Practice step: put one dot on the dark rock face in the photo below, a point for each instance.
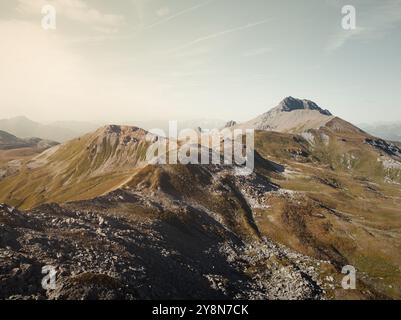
(97, 254)
(113, 129)
(388, 147)
(230, 124)
(290, 104)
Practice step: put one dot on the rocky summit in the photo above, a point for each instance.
(290, 115)
(290, 104)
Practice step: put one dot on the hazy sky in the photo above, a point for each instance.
(131, 60)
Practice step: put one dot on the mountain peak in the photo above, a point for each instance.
(290, 104)
(124, 135)
(230, 124)
(122, 130)
(291, 115)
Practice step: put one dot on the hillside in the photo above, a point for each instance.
(341, 201)
(78, 169)
(318, 199)
(9, 141)
(13, 151)
(283, 232)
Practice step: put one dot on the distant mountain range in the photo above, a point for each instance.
(14, 150)
(62, 131)
(385, 130)
(9, 141)
(59, 131)
(291, 115)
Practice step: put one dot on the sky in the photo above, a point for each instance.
(140, 60)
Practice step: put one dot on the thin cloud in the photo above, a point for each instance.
(257, 52)
(178, 14)
(140, 12)
(195, 52)
(220, 34)
(164, 11)
(340, 39)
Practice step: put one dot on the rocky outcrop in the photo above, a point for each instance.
(385, 146)
(290, 104)
(230, 124)
(99, 253)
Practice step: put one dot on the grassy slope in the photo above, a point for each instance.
(343, 210)
(80, 169)
(18, 154)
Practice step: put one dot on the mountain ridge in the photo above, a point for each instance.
(109, 157)
(331, 193)
(24, 127)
